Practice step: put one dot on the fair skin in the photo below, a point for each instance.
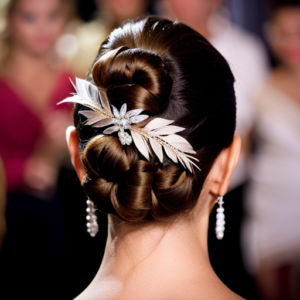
(121, 10)
(284, 37)
(194, 13)
(162, 260)
(34, 26)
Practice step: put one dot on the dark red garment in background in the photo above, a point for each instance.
(20, 128)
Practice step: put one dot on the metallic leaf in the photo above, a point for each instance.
(104, 102)
(138, 119)
(186, 162)
(169, 130)
(171, 154)
(92, 121)
(157, 123)
(123, 110)
(79, 100)
(140, 144)
(104, 122)
(89, 113)
(111, 130)
(157, 148)
(115, 112)
(133, 112)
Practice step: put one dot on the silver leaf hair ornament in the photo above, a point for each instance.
(157, 135)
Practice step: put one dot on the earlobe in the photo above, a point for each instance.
(73, 146)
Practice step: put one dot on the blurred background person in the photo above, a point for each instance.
(2, 203)
(248, 60)
(84, 39)
(271, 231)
(32, 145)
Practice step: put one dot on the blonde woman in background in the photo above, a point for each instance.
(271, 232)
(32, 80)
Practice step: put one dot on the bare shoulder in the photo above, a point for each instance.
(215, 291)
(106, 289)
(160, 294)
(208, 286)
(185, 289)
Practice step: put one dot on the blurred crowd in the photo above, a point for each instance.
(45, 251)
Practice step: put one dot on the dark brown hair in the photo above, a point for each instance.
(170, 71)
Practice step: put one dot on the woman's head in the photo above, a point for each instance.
(172, 72)
(35, 25)
(284, 31)
(195, 13)
(120, 10)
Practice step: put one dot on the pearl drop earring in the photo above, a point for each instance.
(220, 223)
(92, 224)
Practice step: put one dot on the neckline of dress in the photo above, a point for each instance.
(25, 103)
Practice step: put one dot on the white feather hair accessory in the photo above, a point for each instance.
(157, 134)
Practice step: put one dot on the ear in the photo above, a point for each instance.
(73, 146)
(224, 166)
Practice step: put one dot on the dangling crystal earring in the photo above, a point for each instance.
(220, 223)
(92, 224)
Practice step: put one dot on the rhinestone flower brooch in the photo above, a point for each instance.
(157, 137)
(122, 121)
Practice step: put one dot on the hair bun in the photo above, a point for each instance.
(134, 76)
(119, 182)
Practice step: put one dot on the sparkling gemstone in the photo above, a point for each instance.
(220, 222)
(219, 228)
(124, 122)
(220, 209)
(220, 216)
(128, 138)
(133, 112)
(139, 118)
(123, 110)
(220, 235)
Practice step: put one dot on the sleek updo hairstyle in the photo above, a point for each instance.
(172, 72)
